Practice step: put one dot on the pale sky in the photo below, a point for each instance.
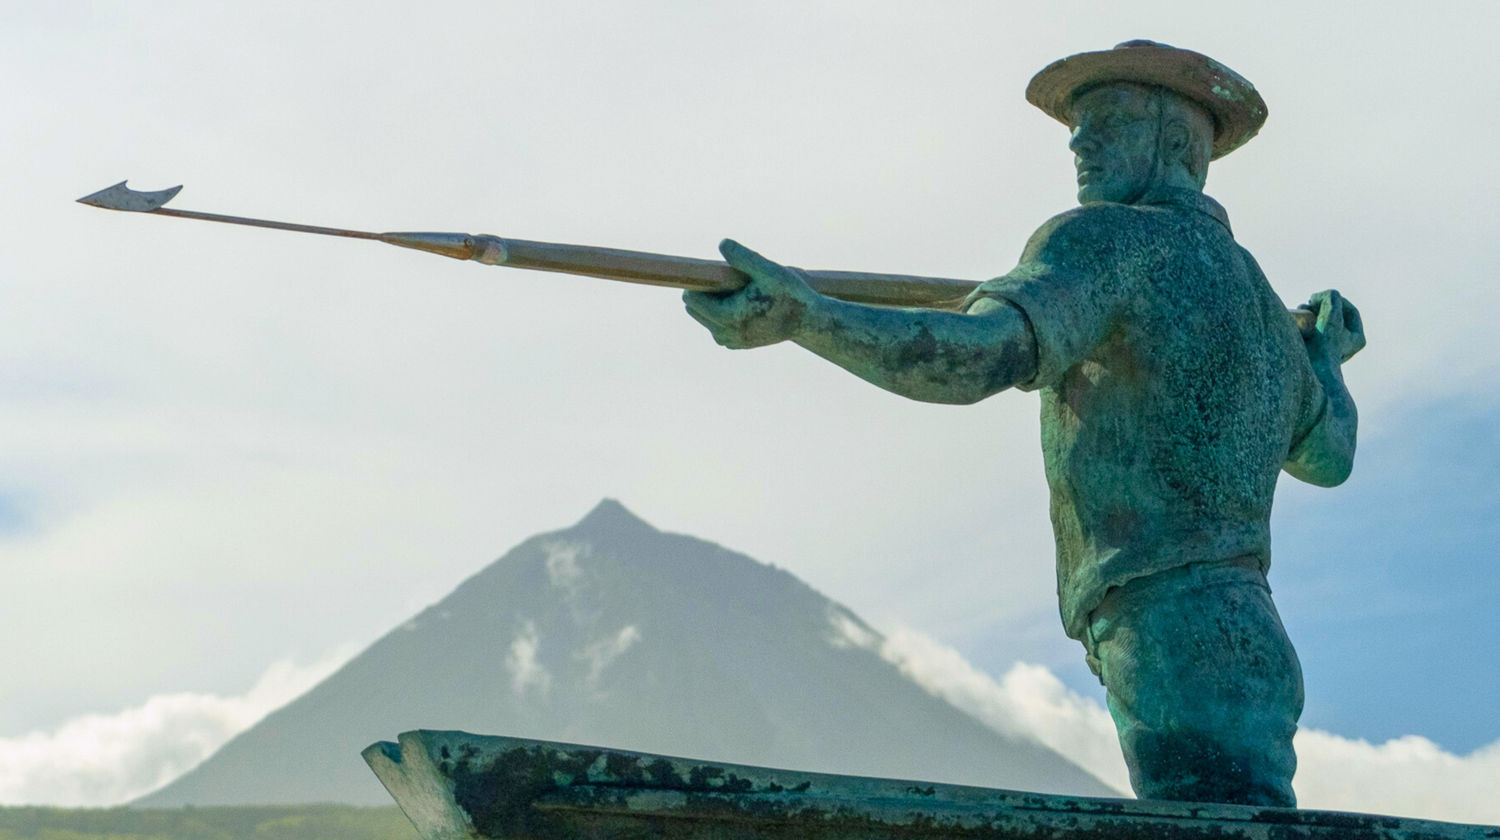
(226, 448)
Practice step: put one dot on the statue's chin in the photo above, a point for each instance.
(1094, 193)
(1114, 193)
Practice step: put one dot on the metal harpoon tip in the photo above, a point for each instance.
(121, 197)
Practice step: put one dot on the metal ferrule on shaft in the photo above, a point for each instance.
(459, 246)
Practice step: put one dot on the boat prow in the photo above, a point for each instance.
(458, 786)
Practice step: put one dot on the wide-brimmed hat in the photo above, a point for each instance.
(1237, 110)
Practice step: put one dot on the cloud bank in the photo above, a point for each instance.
(108, 759)
(1409, 776)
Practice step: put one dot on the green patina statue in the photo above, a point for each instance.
(1174, 389)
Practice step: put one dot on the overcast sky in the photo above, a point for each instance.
(226, 448)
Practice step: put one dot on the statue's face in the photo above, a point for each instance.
(1114, 143)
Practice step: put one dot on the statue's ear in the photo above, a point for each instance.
(1179, 145)
(1176, 137)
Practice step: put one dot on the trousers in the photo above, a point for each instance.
(1202, 683)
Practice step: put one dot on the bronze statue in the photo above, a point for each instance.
(1174, 389)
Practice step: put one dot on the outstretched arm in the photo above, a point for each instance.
(923, 354)
(1325, 454)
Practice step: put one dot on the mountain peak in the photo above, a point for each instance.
(609, 516)
(612, 632)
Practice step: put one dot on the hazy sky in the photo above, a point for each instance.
(226, 448)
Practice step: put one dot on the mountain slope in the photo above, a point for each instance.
(611, 632)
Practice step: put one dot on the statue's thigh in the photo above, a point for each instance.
(1209, 652)
(1205, 690)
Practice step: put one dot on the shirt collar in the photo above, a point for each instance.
(1188, 200)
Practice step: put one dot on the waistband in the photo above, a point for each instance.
(1246, 567)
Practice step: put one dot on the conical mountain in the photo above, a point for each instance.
(612, 632)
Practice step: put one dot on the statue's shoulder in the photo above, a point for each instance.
(1098, 217)
(1087, 228)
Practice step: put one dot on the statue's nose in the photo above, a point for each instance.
(1082, 139)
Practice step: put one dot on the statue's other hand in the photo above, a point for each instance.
(1338, 326)
(769, 309)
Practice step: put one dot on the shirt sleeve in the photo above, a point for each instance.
(1072, 284)
(1313, 416)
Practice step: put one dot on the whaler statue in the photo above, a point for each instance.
(1175, 388)
(1174, 391)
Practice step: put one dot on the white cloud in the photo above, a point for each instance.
(520, 659)
(1027, 702)
(107, 759)
(849, 632)
(562, 563)
(601, 653)
(1409, 776)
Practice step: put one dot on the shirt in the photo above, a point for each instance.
(1173, 386)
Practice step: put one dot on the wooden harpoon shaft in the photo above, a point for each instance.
(717, 276)
(713, 275)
